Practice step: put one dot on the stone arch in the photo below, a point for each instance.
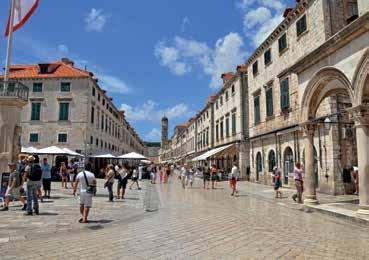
(259, 165)
(272, 159)
(361, 80)
(325, 82)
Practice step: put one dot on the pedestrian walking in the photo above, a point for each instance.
(235, 173)
(14, 189)
(206, 176)
(214, 175)
(73, 170)
(191, 176)
(33, 175)
(63, 171)
(135, 179)
(277, 182)
(109, 177)
(122, 181)
(184, 176)
(298, 183)
(86, 182)
(46, 178)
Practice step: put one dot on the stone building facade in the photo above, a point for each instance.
(68, 108)
(315, 50)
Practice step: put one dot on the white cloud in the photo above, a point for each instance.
(113, 84)
(225, 56)
(150, 112)
(63, 49)
(153, 135)
(260, 18)
(185, 23)
(96, 20)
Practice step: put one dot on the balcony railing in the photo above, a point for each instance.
(14, 89)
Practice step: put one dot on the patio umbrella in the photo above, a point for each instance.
(104, 156)
(30, 150)
(52, 150)
(72, 153)
(132, 156)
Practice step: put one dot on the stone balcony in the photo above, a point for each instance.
(14, 89)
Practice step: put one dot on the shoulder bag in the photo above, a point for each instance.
(90, 189)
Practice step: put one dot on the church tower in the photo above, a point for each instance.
(164, 131)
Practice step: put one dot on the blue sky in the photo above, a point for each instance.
(154, 57)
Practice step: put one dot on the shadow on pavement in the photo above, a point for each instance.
(48, 214)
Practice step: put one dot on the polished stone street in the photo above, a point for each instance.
(163, 221)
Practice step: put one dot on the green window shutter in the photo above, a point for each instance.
(269, 102)
(62, 138)
(37, 87)
(301, 25)
(285, 95)
(65, 87)
(36, 111)
(257, 109)
(234, 123)
(227, 126)
(282, 42)
(64, 112)
(33, 138)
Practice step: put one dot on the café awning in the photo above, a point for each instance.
(211, 153)
(133, 156)
(52, 150)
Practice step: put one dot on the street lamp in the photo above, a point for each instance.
(327, 123)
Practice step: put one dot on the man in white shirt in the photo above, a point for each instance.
(235, 173)
(83, 180)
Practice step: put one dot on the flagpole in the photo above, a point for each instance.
(10, 42)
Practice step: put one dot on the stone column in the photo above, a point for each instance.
(361, 116)
(309, 184)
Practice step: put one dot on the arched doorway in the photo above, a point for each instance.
(259, 166)
(288, 164)
(271, 160)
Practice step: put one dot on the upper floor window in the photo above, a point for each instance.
(221, 100)
(216, 105)
(93, 91)
(65, 87)
(98, 97)
(64, 111)
(269, 102)
(285, 94)
(221, 129)
(282, 43)
(267, 57)
(217, 131)
(234, 123)
(226, 96)
(256, 109)
(37, 87)
(33, 138)
(351, 11)
(35, 111)
(92, 115)
(255, 68)
(62, 138)
(301, 25)
(103, 102)
(233, 90)
(227, 125)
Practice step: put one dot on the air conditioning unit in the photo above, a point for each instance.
(347, 133)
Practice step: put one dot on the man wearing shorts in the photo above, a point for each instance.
(122, 182)
(14, 187)
(85, 199)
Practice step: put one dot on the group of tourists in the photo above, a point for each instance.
(29, 182)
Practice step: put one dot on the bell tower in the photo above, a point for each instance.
(164, 131)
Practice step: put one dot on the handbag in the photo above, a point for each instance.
(90, 189)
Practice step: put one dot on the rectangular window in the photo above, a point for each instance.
(269, 102)
(37, 87)
(233, 90)
(106, 125)
(97, 142)
(267, 57)
(217, 131)
(234, 123)
(65, 87)
(98, 97)
(301, 25)
(92, 115)
(33, 138)
(91, 140)
(221, 100)
(255, 68)
(62, 138)
(93, 92)
(103, 102)
(282, 43)
(226, 96)
(64, 111)
(257, 110)
(36, 111)
(227, 126)
(216, 105)
(221, 130)
(285, 95)
(102, 122)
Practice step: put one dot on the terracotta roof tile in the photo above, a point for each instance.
(58, 69)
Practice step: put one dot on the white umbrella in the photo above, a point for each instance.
(133, 156)
(52, 150)
(146, 161)
(107, 156)
(30, 149)
(72, 153)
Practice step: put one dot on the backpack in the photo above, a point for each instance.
(35, 173)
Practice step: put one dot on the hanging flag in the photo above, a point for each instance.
(23, 10)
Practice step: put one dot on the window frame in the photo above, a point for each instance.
(269, 107)
(34, 134)
(281, 50)
(60, 111)
(283, 106)
(257, 117)
(255, 68)
(38, 84)
(267, 62)
(64, 134)
(39, 111)
(299, 23)
(234, 122)
(69, 87)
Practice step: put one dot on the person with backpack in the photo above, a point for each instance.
(14, 187)
(86, 182)
(33, 175)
